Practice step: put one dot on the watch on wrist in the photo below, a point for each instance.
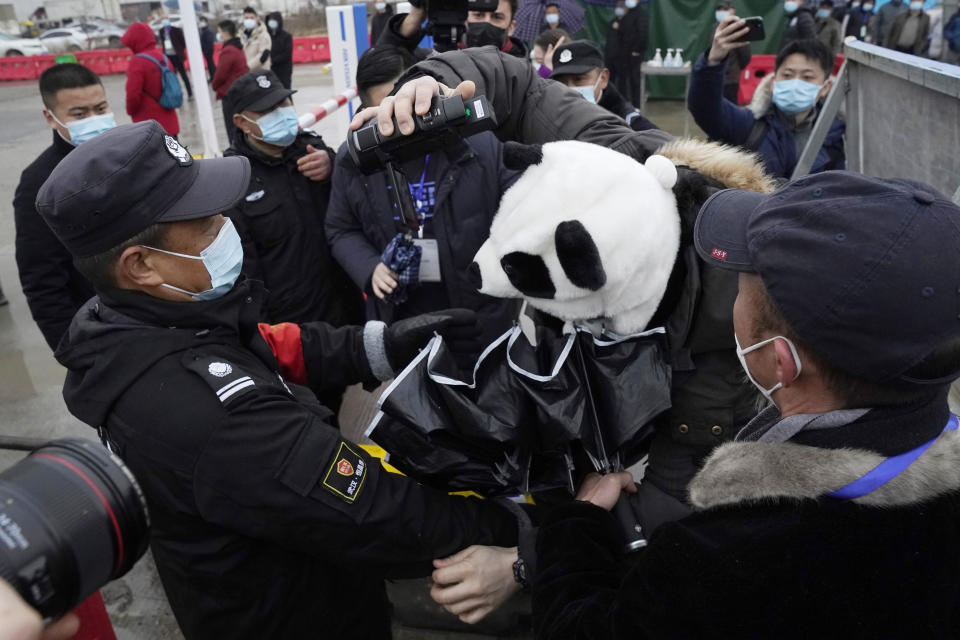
(520, 574)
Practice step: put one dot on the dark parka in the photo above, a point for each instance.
(52, 285)
(266, 523)
(281, 50)
(470, 179)
(767, 554)
(802, 25)
(280, 222)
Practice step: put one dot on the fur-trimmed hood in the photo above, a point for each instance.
(752, 472)
(731, 166)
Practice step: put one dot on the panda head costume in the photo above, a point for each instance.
(587, 233)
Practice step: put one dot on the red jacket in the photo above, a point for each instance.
(144, 84)
(231, 65)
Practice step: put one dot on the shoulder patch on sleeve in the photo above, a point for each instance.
(344, 478)
(226, 379)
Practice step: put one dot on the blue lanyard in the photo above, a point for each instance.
(419, 193)
(886, 470)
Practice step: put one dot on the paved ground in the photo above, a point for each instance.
(30, 379)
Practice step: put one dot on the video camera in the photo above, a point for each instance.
(449, 120)
(72, 518)
(446, 18)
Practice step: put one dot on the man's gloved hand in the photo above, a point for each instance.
(265, 56)
(404, 339)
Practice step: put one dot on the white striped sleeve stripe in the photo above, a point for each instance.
(248, 383)
(226, 389)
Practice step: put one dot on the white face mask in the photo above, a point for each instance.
(916, 6)
(767, 393)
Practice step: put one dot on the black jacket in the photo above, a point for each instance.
(800, 26)
(52, 285)
(281, 50)
(390, 37)
(626, 36)
(379, 23)
(266, 523)
(208, 40)
(470, 178)
(281, 224)
(614, 102)
(767, 554)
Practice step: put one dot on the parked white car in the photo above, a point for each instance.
(64, 41)
(16, 46)
(99, 35)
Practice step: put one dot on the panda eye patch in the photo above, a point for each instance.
(579, 256)
(529, 274)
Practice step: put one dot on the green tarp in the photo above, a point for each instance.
(689, 25)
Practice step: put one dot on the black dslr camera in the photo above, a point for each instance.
(448, 120)
(446, 18)
(72, 518)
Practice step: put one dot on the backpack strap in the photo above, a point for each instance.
(758, 132)
(162, 69)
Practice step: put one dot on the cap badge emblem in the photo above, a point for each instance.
(220, 369)
(566, 56)
(178, 151)
(263, 81)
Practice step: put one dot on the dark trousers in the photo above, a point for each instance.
(211, 67)
(177, 63)
(625, 75)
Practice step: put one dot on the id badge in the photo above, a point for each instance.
(429, 259)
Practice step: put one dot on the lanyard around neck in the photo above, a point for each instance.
(887, 470)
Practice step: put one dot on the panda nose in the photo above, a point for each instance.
(474, 277)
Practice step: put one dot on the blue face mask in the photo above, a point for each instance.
(619, 12)
(823, 13)
(82, 130)
(223, 260)
(552, 18)
(219, 37)
(249, 24)
(794, 96)
(790, 6)
(279, 127)
(588, 91)
(721, 15)
(165, 23)
(631, 4)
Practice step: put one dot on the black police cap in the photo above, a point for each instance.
(257, 91)
(863, 269)
(118, 184)
(576, 58)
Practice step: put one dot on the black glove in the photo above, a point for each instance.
(417, 3)
(265, 56)
(404, 339)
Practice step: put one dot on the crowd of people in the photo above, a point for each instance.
(212, 312)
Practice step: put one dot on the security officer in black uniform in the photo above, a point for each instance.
(280, 218)
(266, 522)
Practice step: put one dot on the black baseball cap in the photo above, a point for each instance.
(118, 184)
(865, 270)
(576, 58)
(257, 91)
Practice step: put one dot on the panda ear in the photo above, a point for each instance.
(579, 256)
(519, 157)
(663, 170)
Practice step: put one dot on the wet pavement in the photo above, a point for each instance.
(30, 379)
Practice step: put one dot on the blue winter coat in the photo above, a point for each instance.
(726, 122)
(470, 180)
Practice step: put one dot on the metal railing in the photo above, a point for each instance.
(902, 114)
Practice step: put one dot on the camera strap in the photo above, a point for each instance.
(421, 199)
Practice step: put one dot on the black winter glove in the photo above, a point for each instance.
(265, 56)
(404, 338)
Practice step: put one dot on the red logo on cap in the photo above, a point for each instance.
(719, 254)
(344, 468)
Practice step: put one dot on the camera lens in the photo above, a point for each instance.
(72, 518)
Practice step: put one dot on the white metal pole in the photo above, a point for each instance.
(191, 33)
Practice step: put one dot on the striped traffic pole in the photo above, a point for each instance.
(311, 117)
